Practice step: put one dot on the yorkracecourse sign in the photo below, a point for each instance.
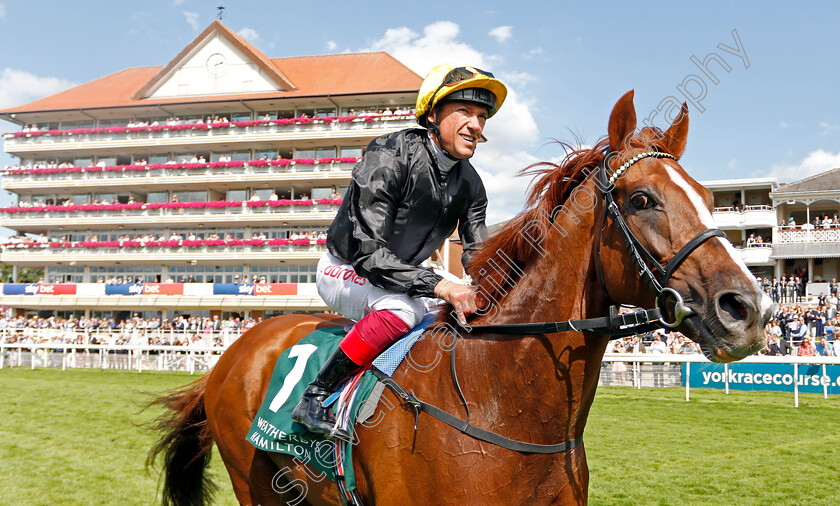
(812, 378)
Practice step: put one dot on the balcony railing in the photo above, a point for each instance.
(756, 254)
(14, 175)
(788, 235)
(757, 216)
(170, 212)
(134, 251)
(214, 132)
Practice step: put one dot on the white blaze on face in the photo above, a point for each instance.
(706, 217)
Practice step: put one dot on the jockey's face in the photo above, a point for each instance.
(460, 125)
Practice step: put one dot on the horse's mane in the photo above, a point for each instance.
(553, 184)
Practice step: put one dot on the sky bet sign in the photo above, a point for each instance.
(39, 289)
(188, 289)
(777, 377)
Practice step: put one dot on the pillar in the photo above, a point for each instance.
(810, 270)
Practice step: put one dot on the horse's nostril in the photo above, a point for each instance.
(731, 305)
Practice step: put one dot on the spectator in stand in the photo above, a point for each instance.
(806, 349)
(824, 348)
(798, 329)
(657, 347)
(773, 347)
(619, 368)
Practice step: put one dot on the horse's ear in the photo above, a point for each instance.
(677, 134)
(622, 121)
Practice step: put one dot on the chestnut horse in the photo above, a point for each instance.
(570, 262)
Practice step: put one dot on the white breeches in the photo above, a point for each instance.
(353, 296)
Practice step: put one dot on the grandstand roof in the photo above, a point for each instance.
(303, 76)
(825, 181)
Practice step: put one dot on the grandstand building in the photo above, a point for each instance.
(203, 187)
(780, 229)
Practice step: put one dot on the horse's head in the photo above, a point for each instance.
(665, 209)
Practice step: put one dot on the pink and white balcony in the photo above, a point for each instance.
(179, 173)
(214, 212)
(153, 252)
(205, 133)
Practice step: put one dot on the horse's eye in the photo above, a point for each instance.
(642, 200)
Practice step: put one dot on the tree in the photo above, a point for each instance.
(25, 275)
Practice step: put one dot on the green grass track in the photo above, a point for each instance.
(71, 437)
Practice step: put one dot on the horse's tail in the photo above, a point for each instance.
(185, 445)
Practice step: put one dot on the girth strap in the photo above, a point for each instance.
(470, 429)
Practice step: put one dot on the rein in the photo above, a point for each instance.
(615, 324)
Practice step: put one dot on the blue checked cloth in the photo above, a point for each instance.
(390, 359)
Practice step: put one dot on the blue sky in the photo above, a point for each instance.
(566, 63)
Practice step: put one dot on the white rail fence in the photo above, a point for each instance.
(650, 370)
(191, 359)
(639, 370)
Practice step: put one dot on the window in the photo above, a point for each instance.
(321, 193)
(156, 197)
(240, 116)
(82, 162)
(351, 151)
(79, 199)
(264, 193)
(109, 161)
(267, 115)
(241, 156)
(268, 154)
(190, 196)
(158, 159)
(236, 195)
(321, 113)
(304, 153)
(102, 197)
(215, 156)
(325, 152)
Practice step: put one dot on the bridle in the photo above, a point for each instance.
(642, 258)
(615, 324)
(634, 322)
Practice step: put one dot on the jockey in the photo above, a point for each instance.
(405, 198)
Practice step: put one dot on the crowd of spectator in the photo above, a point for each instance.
(193, 162)
(790, 288)
(216, 120)
(794, 329)
(183, 330)
(174, 240)
(757, 241)
(825, 222)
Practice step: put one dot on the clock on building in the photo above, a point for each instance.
(216, 65)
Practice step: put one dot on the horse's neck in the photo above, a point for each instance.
(548, 380)
(561, 284)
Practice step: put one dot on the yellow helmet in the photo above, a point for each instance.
(448, 82)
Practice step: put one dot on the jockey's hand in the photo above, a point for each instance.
(460, 296)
